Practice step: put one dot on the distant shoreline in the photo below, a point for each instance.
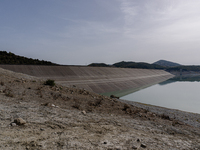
(185, 73)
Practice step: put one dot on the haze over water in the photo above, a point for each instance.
(182, 94)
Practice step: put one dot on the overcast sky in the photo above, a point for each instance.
(79, 32)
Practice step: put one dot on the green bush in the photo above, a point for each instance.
(49, 82)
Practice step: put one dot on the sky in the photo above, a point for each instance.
(80, 32)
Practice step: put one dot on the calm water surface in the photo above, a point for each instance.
(176, 93)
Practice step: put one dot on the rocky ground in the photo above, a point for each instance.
(58, 117)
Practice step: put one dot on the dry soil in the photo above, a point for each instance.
(59, 117)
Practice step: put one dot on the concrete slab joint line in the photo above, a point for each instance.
(115, 79)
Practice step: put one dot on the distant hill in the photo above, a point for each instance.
(184, 68)
(166, 63)
(129, 64)
(142, 65)
(98, 65)
(12, 59)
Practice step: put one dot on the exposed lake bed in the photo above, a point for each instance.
(60, 117)
(189, 118)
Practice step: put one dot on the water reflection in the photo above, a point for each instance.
(178, 93)
(182, 79)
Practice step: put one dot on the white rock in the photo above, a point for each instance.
(13, 124)
(84, 112)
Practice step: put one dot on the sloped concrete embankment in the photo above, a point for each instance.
(95, 79)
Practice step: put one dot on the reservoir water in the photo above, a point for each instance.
(176, 93)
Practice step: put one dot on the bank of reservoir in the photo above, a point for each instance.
(107, 80)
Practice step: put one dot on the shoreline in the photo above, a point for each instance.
(189, 118)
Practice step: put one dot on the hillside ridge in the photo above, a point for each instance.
(12, 59)
(166, 63)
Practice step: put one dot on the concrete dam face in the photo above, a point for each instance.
(118, 81)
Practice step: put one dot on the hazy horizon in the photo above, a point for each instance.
(100, 31)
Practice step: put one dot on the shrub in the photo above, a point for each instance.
(125, 107)
(2, 83)
(9, 94)
(49, 82)
(163, 116)
(113, 96)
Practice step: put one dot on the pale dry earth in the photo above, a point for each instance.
(60, 117)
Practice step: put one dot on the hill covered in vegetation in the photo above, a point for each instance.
(129, 64)
(166, 63)
(169, 66)
(12, 59)
(98, 65)
(184, 68)
(143, 65)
